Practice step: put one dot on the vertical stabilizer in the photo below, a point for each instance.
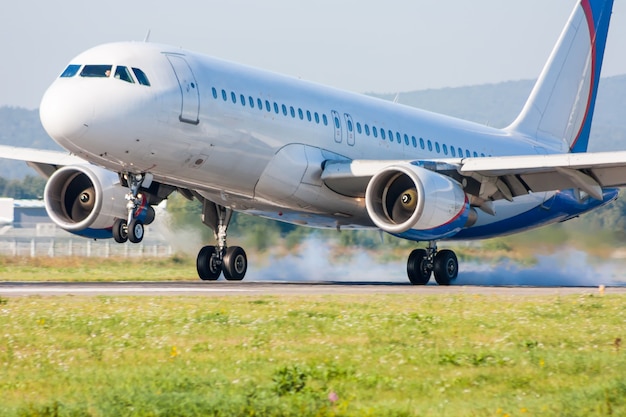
(559, 110)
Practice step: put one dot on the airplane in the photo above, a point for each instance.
(142, 120)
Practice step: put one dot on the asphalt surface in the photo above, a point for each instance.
(225, 288)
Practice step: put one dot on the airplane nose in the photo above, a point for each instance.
(65, 113)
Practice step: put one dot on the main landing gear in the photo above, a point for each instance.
(213, 260)
(423, 262)
(132, 228)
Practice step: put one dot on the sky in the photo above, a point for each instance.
(363, 46)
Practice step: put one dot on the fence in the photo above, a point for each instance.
(46, 240)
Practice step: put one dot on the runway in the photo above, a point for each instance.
(251, 288)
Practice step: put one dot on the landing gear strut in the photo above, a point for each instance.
(132, 228)
(423, 262)
(213, 260)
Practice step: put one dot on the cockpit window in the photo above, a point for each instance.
(141, 77)
(70, 71)
(96, 71)
(122, 73)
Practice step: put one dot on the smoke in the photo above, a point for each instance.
(317, 260)
(314, 262)
(566, 268)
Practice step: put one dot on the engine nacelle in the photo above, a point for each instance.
(86, 200)
(417, 204)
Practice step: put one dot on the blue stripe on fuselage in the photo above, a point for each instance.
(562, 206)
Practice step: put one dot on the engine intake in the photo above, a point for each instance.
(407, 198)
(83, 197)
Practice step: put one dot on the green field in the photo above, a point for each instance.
(366, 355)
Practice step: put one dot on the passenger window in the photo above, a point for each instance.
(422, 143)
(382, 134)
(367, 130)
(268, 106)
(141, 77)
(96, 71)
(292, 111)
(375, 131)
(317, 118)
(243, 100)
(430, 145)
(414, 141)
(390, 136)
(122, 73)
(358, 128)
(233, 97)
(406, 140)
(224, 96)
(300, 114)
(467, 153)
(70, 71)
(398, 137)
(475, 155)
(284, 110)
(251, 101)
(214, 92)
(437, 148)
(308, 115)
(452, 150)
(276, 108)
(325, 119)
(460, 152)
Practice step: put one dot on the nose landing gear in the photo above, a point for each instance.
(132, 228)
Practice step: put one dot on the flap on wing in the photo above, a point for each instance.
(510, 176)
(45, 162)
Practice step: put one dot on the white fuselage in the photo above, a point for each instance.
(253, 140)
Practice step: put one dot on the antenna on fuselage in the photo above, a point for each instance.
(147, 38)
(396, 98)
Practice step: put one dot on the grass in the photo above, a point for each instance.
(174, 268)
(372, 355)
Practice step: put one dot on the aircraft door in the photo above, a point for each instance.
(337, 126)
(190, 95)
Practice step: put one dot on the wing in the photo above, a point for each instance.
(43, 161)
(498, 178)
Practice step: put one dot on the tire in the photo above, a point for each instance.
(417, 267)
(120, 231)
(446, 267)
(235, 263)
(135, 231)
(206, 264)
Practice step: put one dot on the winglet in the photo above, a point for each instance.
(559, 111)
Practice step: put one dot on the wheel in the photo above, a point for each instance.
(207, 264)
(446, 267)
(120, 231)
(235, 263)
(417, 267)
(135, 231)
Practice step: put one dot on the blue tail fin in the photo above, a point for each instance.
(560, 108)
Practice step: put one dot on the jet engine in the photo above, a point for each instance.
(86, 200)
(415, 203)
